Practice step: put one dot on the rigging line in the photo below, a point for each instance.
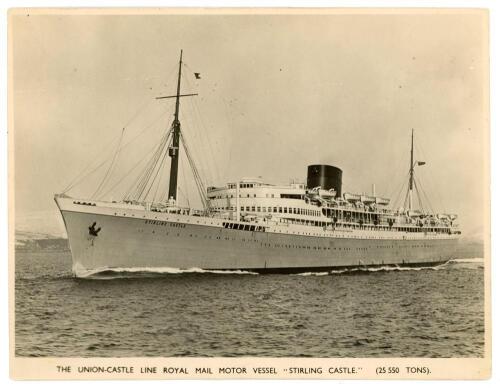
(419, 190)
(161, 148)
(181, 192)
(121, 148)
(186, 185)
(141, 108)
(185, 132)
(207, 141)
(158, 183)
(71, 184)
(149, 126)
(162, 168)
(173, 71)
(190, 130)
(149, 170)
(188, 153)
(136, 180)
(142, 179)
(230, 125)
(160, 165)
(426, 197)
(143, 176)
(396, 171)
(164, 194)
(418, 197)
(199, 183)
(193, 167)
(112, 164)
(401, 187)
(205, 132)
(420, 202)
(397, 201)
(128, 172)
(432, 178)
(406, 198)
(148, 100)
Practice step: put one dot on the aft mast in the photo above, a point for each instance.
(410, 185)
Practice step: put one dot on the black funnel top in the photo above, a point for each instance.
(325, 176)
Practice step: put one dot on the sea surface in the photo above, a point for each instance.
(367, 313)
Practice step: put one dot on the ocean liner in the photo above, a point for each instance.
(251, 225)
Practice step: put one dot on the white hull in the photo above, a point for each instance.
(133, 238)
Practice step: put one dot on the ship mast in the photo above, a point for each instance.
(410, 186)
(173, 151)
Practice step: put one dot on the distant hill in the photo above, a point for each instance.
(468, 248)
(32, 241)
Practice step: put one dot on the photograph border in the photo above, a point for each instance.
(46, 368)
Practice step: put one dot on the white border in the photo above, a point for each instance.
(492, 5)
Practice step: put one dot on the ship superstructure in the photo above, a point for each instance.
(252, 225)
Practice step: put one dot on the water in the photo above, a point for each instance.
(374, 313)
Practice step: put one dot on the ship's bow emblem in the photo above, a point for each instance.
(93, 231)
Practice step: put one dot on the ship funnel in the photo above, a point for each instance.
(325, 176)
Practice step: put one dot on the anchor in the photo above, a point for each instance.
(93, 231)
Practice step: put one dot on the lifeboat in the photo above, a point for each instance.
(352, 197)
(382, 201)
(327, 194)
(367, 199)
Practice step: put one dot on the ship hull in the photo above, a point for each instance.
(104, 238)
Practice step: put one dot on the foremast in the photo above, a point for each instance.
(174, 148)
(173, 151)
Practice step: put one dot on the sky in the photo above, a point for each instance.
(277, 92)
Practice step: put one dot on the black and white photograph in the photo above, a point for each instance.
(250, 193)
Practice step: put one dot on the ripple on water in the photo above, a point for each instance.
(363, 313)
